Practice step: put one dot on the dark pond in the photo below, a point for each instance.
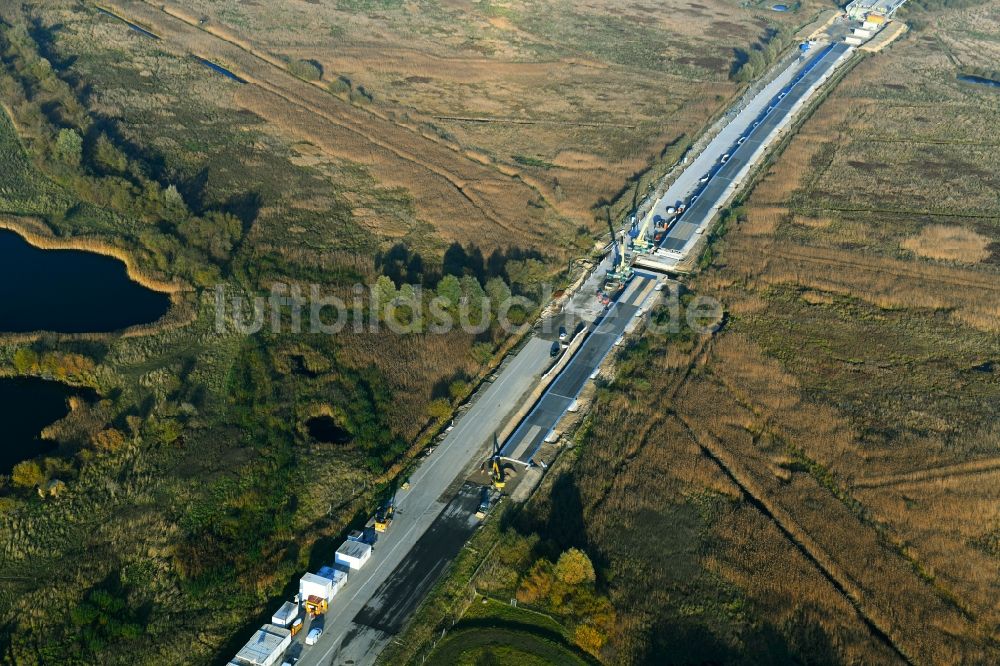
(779, 8)
(325, 429)
(69, 291)
(968, 78)
(28, 405)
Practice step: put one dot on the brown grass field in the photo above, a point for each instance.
(447, 189)
(485, 106)
(855, 396)
(897, 261)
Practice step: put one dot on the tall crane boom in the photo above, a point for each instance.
(619, 252)
(641, 242)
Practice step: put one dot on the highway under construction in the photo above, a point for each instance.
(438, 510)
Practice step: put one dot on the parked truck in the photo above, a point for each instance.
(384, 516)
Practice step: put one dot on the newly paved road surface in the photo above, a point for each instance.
(529, 435)
(738, 121)
(725, 176)
(399, 595)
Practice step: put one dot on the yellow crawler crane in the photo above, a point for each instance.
(641, 242)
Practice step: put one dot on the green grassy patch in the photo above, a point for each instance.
(493, 645)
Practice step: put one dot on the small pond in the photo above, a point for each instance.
(27, 406)
(325, 429)
(968, 78)
(69, 291)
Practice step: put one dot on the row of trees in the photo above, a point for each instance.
(67, 367)
(753, 63)
(403, 265)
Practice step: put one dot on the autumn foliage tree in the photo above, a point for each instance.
(109, 439)
(537, 584)
(27, 474)
(575, 568)
(568, 589)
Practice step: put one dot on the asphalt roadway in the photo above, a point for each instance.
(563, 391)
(705, 200)
(434, 487)
(769, 109)
(436, 516)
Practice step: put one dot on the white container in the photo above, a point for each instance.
(353, 554)
(286, 614)
(338, 576)
(313, 585)
(266, 647)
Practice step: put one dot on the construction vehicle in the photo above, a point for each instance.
(315, 605)
(497, 474)
(384, 515)
(621, 269)
(296, 626)
(484, 503)
(501, 468)
(641, 242)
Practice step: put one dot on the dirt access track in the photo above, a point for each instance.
(463, 198)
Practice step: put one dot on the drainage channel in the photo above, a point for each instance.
(219, 68)
(139, 29)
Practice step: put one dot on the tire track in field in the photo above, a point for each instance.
(921, 475)
(793, 532)
(887, 266)
(757, 497)
(457, 184)
(889, 622)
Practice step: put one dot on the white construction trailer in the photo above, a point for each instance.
(353, 554)
(266, 647)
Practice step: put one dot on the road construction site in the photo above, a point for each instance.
(689, 206)
(397, 559)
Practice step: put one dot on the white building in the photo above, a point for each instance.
(265, 648)
(285, 615)
(353, 554)
(313, 585)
